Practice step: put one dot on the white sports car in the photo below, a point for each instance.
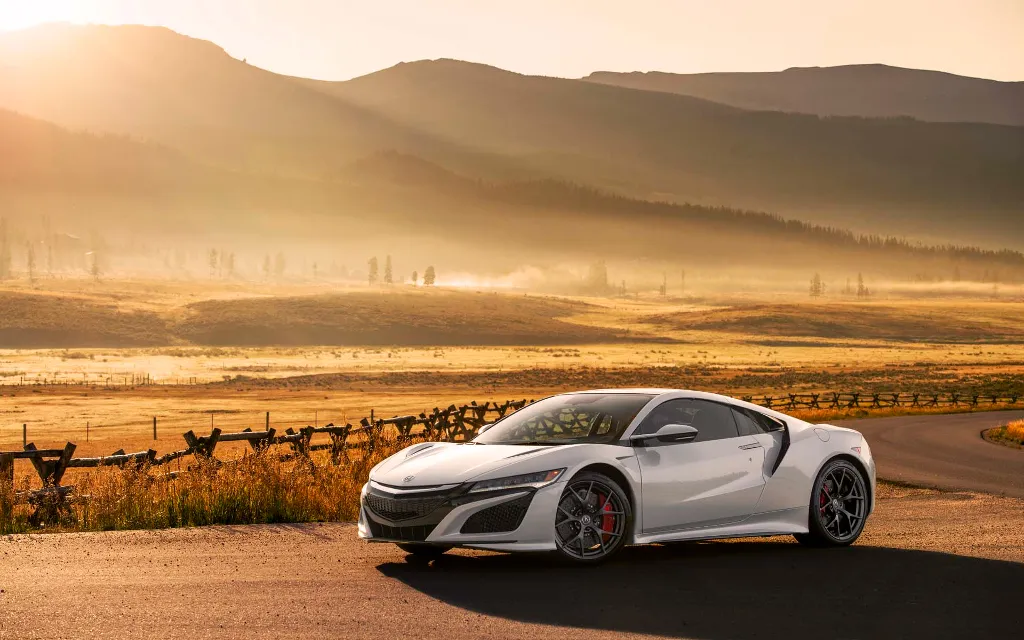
(584, 474)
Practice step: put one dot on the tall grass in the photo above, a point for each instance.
(1012, 434)
(250, 490)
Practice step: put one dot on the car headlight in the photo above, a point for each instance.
(527, 480)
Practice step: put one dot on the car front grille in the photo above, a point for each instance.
(406, 534)
(500, 518)
(398, 509)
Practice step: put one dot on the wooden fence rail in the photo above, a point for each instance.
(454, 423)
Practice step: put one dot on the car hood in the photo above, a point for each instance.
(440, 463)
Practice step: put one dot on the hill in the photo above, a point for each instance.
(897, 173)
(867, 90)
(891, 176)
(93, 186)
(31, 320)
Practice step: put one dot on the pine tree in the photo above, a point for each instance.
(817, 286)
(372, 277)
(212, 260)
(95, 268)
(429, 277)
(389, 277)
(415, 278)
(862, 291)
(663, 290)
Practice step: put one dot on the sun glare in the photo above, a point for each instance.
(16, 15)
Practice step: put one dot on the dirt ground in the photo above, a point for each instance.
(930, 564)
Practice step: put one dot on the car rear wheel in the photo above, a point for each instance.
(423, 552)
(593, 518)
(839, 506)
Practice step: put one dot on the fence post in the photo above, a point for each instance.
(24, 434)
(154, 427)
(268, 422)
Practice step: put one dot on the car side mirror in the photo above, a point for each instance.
(668, 434)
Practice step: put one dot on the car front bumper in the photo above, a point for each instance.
(509, 520)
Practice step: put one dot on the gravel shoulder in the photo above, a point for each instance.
(930, 564)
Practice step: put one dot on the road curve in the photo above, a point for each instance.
(945, 451)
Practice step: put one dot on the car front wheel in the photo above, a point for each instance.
(593, 518)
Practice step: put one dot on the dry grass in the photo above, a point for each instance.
(906, 321)
(1011, 434)
(401, 316)
(253, 489)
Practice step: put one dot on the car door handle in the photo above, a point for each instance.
(752, 445)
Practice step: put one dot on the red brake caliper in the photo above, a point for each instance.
(607, 522)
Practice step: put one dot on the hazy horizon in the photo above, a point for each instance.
(342, 40)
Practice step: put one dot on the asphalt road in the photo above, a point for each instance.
(945, 451)
(916, 572)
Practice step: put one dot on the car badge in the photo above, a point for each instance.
(408, 478)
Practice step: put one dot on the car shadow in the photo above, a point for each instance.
(739, 590)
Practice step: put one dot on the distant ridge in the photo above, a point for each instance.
(867, 90)
(892, 176)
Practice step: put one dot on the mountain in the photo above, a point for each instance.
(92, 185)
(155, 84)
(891, 176)
(867, 90)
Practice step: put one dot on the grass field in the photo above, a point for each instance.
(324, 354)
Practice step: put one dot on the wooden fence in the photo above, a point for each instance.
(455, 423)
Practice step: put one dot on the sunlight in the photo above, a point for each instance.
(21, 15)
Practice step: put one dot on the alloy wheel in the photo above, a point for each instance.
(591, 519)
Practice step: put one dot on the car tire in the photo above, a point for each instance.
(593, 520)
(423, 552)
(838, 506)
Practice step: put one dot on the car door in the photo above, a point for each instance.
(713, 480)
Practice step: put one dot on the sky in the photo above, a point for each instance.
(340, 39)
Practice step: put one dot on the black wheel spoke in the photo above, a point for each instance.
(841, 511)
(576, 523)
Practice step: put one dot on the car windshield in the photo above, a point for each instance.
(568, 419)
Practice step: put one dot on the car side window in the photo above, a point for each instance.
(746, 423)
(712, 420)
(753, 423)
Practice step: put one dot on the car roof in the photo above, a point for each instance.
(666, 394)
